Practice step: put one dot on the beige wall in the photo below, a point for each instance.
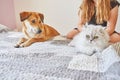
(118, 21)
(61, 14)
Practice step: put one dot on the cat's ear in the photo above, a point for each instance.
(102, 31)
(85, 25)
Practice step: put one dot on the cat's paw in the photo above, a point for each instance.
(87, 52)
(90, 53)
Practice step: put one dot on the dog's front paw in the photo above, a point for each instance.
(17, 46)
(23, 45)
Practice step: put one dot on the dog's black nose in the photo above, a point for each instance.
(39, 31)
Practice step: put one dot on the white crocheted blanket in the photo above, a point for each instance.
(54, 60)
(99, 62)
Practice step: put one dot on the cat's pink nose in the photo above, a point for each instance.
(91, 41)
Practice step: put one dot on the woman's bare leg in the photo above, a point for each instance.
(115, 37)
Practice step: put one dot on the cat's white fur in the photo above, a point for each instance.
(83, 45)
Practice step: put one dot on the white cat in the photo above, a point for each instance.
(92, 38)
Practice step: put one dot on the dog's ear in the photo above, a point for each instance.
(41, 17)
(24, 15)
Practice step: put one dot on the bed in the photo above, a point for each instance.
(53, 60)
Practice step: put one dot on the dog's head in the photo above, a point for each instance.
(32, 21)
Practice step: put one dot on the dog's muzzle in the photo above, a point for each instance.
(38, 31)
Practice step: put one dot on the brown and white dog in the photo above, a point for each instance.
(34, 29)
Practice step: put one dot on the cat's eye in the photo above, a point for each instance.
(88, 36)
(95, 37)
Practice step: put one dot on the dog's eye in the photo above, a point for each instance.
(33, 21)
(40, 21)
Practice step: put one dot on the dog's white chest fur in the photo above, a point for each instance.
(30, 30)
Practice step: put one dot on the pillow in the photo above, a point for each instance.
(4, 29)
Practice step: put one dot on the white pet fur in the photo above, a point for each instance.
(91, 44)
